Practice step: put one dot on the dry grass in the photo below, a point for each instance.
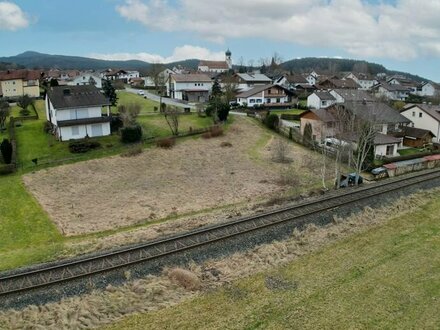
(184, 278)
(105, 194)
(158, 292)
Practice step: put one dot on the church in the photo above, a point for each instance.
(217, 66)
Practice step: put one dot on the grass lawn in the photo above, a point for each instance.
(410, 151)
(288, 112)
(387, 278)
(126, 98)
(26, 232)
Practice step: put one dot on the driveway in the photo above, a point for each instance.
(166, 100)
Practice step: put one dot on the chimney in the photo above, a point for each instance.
(66, 91)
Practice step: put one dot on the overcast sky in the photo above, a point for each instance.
(400, 34)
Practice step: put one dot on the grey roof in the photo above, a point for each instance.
(432, 110)
(418, 133)
(296, 79)
(380, 139)
(75, 122)
(65, 97)
(191, 77)
(325, 96)
(354, 95)
(252, 77)
(393, 87)
(324, 115)
(377, 112)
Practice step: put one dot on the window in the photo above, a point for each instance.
(420, 114)
(413, 113)
(251, 101)
(259, 100)
(278, 100)
(75, 130)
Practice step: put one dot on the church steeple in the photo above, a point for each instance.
(228, 55)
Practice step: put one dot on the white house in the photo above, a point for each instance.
(247, 81)
(424, 116)
(189, 87)
(217, 66)
(391, 91)
(426, 89)
(267, 94)
(86, 78)
(76, 112)
(149, 80)
(366, 82)
(112, 74)
(320, 99)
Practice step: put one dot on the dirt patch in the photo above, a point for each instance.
(195, 175)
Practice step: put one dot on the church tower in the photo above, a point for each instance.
(228, 55)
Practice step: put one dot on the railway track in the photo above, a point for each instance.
(22, 282)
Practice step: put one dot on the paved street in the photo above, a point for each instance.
(165, 100)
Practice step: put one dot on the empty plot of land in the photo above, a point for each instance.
(195, 175)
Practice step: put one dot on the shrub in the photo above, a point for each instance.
(166, 143)
(115, 123)
(216, 131)
(272, 121)
(6, 150)
(133, 151)
(131, 134)
(185, 278)
(77, 147)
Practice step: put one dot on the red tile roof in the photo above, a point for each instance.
(20, 74)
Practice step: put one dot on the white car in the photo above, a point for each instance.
(141, 93)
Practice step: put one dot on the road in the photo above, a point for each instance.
(165, 100)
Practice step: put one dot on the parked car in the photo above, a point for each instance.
(141, 93)
(350, 180)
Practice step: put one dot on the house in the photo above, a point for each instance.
(269, 95)
(404, 82)
(86, 78)
(246, 81)
(75, 112)
(194, 87)
(118, 74)
(395, 92)
(351, 95)
(161, 78)
(16, 83)
(324, 124)
(291, 81)
(332, 83)
(365, 81)
(424, 116)
(426, 89)
(217, 66)
(320, 99)
(311, 78)
(416, 137)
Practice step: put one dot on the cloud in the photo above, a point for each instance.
(403, 29)
(12, 17)
(180, 53)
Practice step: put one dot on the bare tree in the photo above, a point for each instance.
(172, 118)
(129, 113)
(229, 87)
(365, 133)
(280, 151)
(158, 76)
(4, 113)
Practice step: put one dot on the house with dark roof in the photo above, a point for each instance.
(415, 137)
(320, 99)
(272, 96)
(324, 124)
(246, 81)
(332, 83)
(364, 80)
(351, 95)
(427, 88)
(193, 87)
(395, 92)
(16, 83)
(424, 116)
(75, 112)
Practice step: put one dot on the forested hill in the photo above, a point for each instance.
(35, 60)
(334, 65)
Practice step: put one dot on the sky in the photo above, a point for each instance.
(402, 35)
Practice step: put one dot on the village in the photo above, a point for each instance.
(116, 158)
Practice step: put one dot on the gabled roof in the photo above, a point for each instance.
(325, 96)
(20, 74)
(323, 114)
(432, 110)
(65, 97)
(377, 112)
(339, 83)
(296, 79)
(259, 89)
(418, 133)
(215, 64)
(354, 95)
(392, 87)
(254, 77)
(191, 77)
(361, 76)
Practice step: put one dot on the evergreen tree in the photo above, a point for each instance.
(216, 90)
(110, 92)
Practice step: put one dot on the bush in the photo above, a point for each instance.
(131, 134)
(78, 147)
(47, 128)
(271, 121)
(6, 150)
(115, 123)
(166, 143)
(133, 151)
(213, 132)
